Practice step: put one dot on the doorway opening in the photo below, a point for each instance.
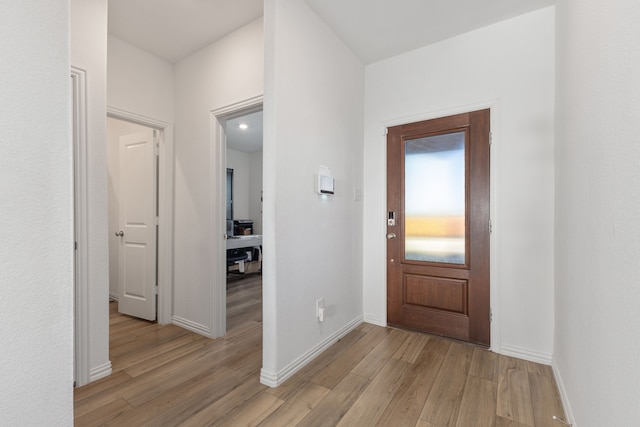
(237, 151)
(163, 194)
(132, 160)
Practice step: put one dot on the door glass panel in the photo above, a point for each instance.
(435, 198)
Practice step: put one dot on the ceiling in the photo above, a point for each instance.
(379, 29)
(174, 29)
(373, 29)
(249, 139)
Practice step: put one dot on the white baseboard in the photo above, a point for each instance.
(100, 372)
(526, 354)
(274, 379)
(563, 395)
(375, 320)
(191, 326)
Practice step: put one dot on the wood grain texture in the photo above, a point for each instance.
(406, 405)
(443, 403)
(514, 393)
(371, 404)
(478, 403)
(374, 376)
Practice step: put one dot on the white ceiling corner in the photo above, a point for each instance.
(379, 29)
(174, 29)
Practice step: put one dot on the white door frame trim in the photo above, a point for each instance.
(218, 319)
(81, 209)
(165, 207)
(494, 177)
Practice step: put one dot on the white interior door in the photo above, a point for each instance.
(137, 269)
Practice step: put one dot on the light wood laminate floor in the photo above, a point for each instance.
(167, 376)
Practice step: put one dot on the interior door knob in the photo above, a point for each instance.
(120, 233)
(391, 236)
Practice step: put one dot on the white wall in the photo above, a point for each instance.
(115, 129)
(255, 190)
(597, 346)
(139, 82)
(314, 91)
(36, 210)
(239, 162)
(224, 73)
(89, 52)
(508, 66)
(247, 185)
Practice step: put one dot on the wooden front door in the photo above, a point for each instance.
(438, 226)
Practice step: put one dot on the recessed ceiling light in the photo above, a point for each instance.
(243, 126)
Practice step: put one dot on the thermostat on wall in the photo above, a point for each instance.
(326, 182)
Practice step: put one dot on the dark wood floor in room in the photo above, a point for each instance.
(167, 376)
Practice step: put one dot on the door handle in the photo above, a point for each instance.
(120, 233)
(391, 236)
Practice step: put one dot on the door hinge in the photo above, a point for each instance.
(385, 132)
(490, 315)
(75, 246)
(490, 227)
(157, 219)
(156, 148)
(155, 290)
(490, 138)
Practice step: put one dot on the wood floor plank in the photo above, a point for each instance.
(218, 410)
(540, 369)
(423, 423)
(443, 403)
(143, 356)
(366, 411)
(478, 406)
(253, 411)
(101, 397)
(166, 356)
(319, 364)
(152, 384)
(336, 370)
(81, 393)
(514, 393)
(170, 404)
(484, 364)
(104, 413)
(505, 422)
(411, 348)
(151, 338)
(213, 391)
(378, 357)
(337, 402)
(296, 407)
(546, 401)
(408, 401)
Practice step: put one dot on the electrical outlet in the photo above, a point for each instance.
(320, 310)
